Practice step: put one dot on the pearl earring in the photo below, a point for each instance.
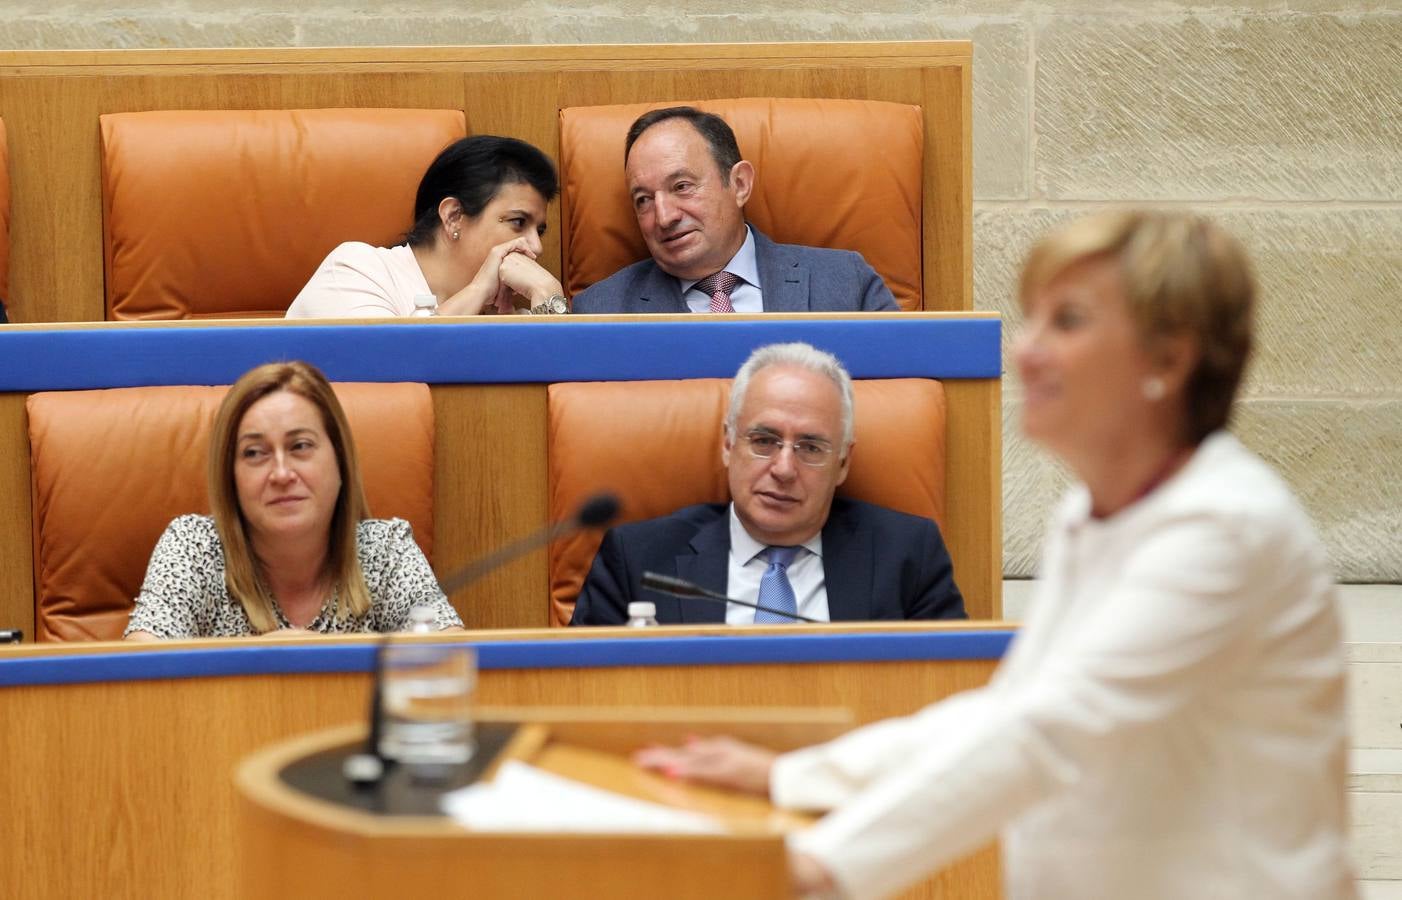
(1154, 388)
(455, 235)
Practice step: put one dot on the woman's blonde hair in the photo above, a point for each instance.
(1182, 275)
(241, 566)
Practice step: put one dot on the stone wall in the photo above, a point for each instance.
(1284, 119)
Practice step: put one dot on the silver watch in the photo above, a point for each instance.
(553, 305)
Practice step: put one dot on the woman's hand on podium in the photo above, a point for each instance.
(720, 761)
(810, 880)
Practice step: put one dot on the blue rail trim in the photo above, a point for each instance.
(882, 346)
(283, 659)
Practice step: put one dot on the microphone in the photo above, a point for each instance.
(595, 512)
(366, 768)
(680, 587)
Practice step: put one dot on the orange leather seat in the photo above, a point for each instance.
(4, 215)
(111, 468)
(844, 174)
(656, 444)
(226, 213)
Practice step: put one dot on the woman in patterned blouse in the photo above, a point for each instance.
(290, 547)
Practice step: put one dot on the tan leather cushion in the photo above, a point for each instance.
(217, 213)
(111, 469)
(844, 174)
(657, 445)
(4, 215)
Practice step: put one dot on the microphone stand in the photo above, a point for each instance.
(367, 767)
(680, 587)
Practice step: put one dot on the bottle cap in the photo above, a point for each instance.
(641, 609)
(425, 302)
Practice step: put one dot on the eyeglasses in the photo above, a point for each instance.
(808, 451)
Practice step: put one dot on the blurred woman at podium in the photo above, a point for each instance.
(289, 547)
(1169, 722)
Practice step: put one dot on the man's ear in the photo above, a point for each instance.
(726, 445)
(742, 181)
(846, 464)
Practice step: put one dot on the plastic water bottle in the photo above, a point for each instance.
(425, 305)
(642, 614)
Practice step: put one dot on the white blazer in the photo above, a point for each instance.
(1169, 723)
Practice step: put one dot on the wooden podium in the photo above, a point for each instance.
(306, 833)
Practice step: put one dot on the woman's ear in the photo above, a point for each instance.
(450, 213)
(1175, 359)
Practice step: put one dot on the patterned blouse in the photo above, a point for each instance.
(184, 594)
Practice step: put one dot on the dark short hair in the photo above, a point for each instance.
(473, 170)
(724, 150)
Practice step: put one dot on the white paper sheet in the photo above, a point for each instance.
(524, 798)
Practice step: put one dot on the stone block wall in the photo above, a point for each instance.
(1281, 117)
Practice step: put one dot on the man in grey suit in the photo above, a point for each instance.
(689, 186)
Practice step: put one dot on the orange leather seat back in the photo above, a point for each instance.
(656, 444)
(111, 468)
(4, 215)
(226, 213)
(844, 174)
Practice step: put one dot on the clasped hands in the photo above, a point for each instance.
(509, 269)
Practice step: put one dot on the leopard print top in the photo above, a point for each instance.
(184, 595)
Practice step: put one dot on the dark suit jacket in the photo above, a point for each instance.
(791, 278)
(877, 564)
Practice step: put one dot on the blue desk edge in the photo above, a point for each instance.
(265, 659)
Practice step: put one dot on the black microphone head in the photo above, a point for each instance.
(670, 584)
(597, 511)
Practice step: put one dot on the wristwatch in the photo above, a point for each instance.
(554, 305)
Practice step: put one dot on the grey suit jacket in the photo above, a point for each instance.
(791, 278)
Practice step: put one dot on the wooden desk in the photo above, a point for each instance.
(121, 756)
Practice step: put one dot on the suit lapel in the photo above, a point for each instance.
(782, 281)
(709, 566)
(847, 567)
(660, 292)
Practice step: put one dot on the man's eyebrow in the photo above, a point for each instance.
(668, 178)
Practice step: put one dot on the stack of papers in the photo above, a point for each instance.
(524, 798)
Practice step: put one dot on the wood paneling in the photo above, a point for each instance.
(16, 532)
(974, 492)
(490, 486)
(50, 101)
(126, 788)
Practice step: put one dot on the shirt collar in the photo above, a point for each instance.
(745, 548)
(743, 264)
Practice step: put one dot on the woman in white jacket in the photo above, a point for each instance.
(1169, 723)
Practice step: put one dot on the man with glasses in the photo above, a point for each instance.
(784, 541)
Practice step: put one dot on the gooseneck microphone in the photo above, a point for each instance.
(368, 767)
(680, 587)
(595, 512)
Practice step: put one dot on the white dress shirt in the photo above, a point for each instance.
(1168, 724)
(747, 565)
(746, 297)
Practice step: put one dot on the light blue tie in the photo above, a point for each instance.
(775, 591)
